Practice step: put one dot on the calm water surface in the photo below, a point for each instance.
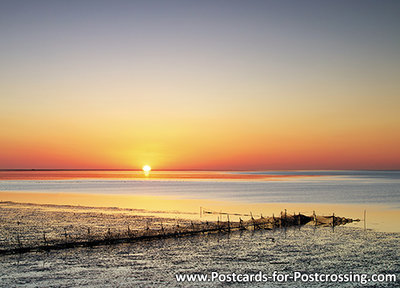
(350, 187)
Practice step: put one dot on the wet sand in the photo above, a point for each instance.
(379, 217)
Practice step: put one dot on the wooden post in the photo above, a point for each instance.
(365, 219)
(44, 238)
(18, 239)
(285, 218)
(252, 219)
(65, 234)
(162, 228)
(229, 225)
(333, 219)
(315, 218)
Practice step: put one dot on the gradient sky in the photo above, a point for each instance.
(200, 84)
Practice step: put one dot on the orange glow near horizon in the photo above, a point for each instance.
(219, 90)
(223, 146)
(242, 150)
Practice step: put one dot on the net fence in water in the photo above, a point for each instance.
(42, 227)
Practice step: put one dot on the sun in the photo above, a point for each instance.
(146, 168)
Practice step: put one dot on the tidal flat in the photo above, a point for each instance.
(69, 208)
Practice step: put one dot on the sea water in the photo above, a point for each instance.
(347, 187)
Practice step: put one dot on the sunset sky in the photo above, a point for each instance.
(247, 85)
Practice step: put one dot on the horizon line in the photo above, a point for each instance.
(172, 170)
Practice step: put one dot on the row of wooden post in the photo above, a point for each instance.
(282, 222)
